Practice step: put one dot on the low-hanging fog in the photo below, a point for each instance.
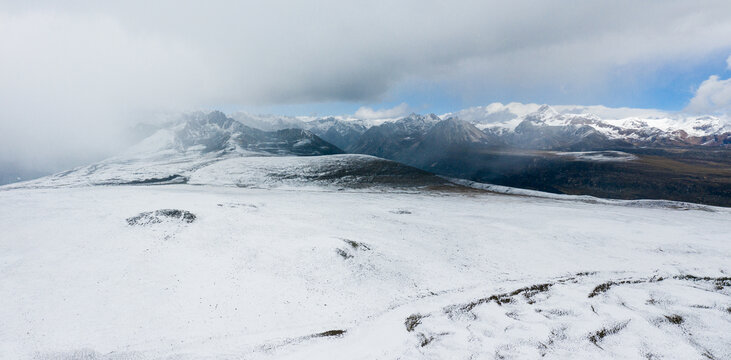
(75, 76)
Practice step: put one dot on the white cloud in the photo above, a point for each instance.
(72, 84)
(73, 73)
(712, 96)
(368, 113)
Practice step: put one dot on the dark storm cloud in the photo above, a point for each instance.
(74, 74)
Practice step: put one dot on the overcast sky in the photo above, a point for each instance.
(74, 74)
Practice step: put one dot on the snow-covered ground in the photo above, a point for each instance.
(598, 155)
(308, 273)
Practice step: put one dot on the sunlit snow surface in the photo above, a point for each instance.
(357, 274)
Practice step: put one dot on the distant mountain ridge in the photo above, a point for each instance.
(217, 132)
(605, 152)
(652, 129)
(214, 149)
(545, 149)
(392, 140)
(527, 126)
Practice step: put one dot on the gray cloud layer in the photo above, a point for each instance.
(74, 74)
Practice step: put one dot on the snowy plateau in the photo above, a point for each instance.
(211, 240)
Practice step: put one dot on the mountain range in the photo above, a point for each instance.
(614, 153)
(558, 150)
(524, 126)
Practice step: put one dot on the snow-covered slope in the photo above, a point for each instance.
(254, 170)
(212, 240)
(214, 149)
(348, 170)
(242, 273)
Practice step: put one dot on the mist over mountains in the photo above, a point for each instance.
(564, 150)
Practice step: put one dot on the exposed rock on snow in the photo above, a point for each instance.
(163, 215)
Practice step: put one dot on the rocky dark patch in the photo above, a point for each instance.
(602, 288)
(344, 254)
(356, 245)
(530, 291)
(172, 179)
(674, 319)
(412, 321)
(500, 299)
(330, 333)
(353, 246)
(159, 216)
(599, 335)
(575, 277)
(299, 339)
(424, 339)
(400, 212)
(719, 282)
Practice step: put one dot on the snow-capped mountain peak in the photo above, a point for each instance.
(419, 122)
(636, 126)
(546, 111)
